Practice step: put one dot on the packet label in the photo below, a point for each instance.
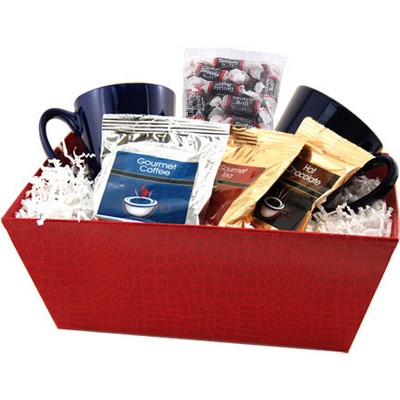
(287, 202)
(148, 189)
(231, 181)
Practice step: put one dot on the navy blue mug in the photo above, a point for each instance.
(124, 98)
(309, 102)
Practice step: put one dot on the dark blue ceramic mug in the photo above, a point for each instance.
(309, 102)
(123, 98)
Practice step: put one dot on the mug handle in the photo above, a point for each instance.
(70, 118)
(381, 190)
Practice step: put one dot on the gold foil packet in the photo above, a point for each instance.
(253, 160)
(325, 163)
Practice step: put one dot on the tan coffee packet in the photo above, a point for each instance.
(253, 160)
(326, 162)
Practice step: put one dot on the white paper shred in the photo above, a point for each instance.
(373, 220)
(60, 191)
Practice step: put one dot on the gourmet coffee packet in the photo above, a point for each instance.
(253, 160)
(157, 169)
(325, 163)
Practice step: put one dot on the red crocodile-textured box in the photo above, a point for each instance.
(281, 288)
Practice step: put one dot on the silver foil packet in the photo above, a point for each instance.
(157, 169)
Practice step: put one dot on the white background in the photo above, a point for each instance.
(51, 53)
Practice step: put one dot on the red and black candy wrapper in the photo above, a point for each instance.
(245, 121)
(271, 87)
(227, 63)
(224, 88)
(209, 73)
(241, 106)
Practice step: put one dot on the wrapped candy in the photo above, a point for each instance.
(253, 69)
(195, 105)
(231, 86)
(268, 93)
(196, 83)
(216, 74)
(237, 105)
(239, 110)
(245, 106)
(208, 72)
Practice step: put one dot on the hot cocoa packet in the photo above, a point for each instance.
(253, 160)
(325, 163)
